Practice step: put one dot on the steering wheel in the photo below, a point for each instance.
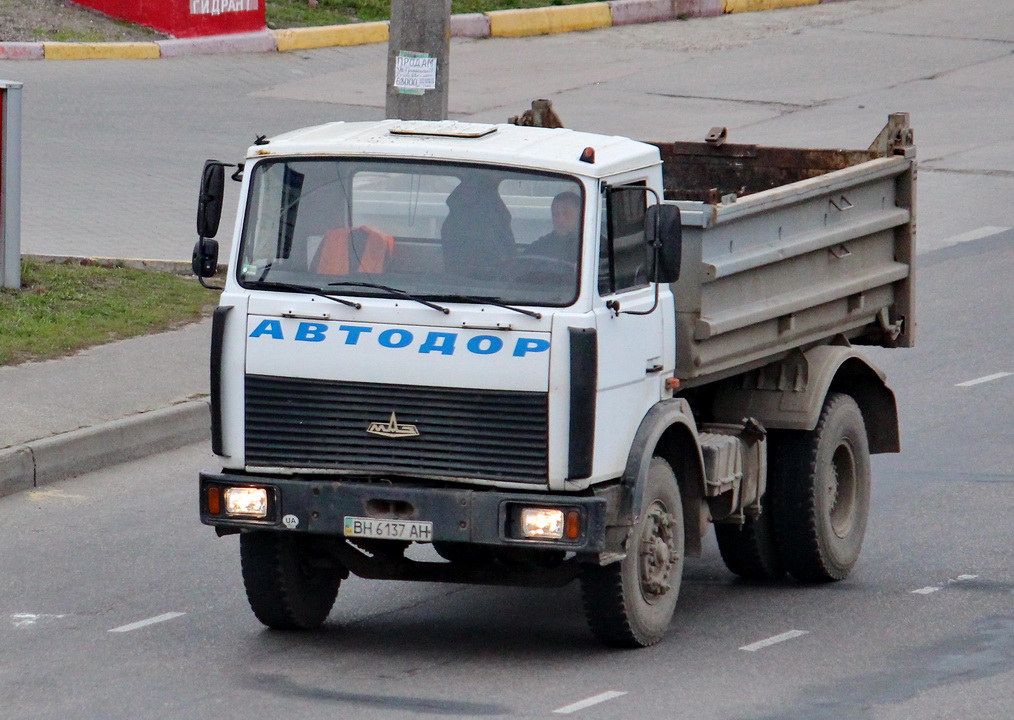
(542, 269)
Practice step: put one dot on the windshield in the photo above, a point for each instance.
(352, 227)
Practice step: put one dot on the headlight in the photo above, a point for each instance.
(542, 523)
(246, 502)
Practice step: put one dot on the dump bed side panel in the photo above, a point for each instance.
(795, 266)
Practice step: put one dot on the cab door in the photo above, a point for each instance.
(630, 322)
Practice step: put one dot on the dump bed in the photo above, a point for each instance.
(788, 248)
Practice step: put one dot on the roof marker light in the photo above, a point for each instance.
(588, 155)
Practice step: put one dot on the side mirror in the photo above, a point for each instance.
(664, 231)
(205, 259)
(209, 202)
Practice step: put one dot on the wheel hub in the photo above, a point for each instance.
(841, 490)
(658, 553)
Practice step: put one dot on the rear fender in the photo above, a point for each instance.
(789, 394)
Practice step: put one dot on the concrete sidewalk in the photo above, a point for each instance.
(103, 406)
(495, 24)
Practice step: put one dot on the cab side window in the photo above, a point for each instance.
(624, 255)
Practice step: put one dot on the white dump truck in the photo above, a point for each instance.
(516, 355)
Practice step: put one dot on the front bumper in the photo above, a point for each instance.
(482, 517)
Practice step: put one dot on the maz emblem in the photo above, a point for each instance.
(393, 429)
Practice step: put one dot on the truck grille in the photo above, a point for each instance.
(320, 424)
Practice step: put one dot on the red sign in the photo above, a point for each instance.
(186, 18)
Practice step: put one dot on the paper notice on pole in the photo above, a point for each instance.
(415, 73)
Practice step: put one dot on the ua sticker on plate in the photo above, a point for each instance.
(290, 521)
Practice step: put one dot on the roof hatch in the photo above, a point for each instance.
(443, 129)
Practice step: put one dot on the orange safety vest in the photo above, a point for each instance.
(359, 249)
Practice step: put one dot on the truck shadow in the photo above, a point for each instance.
(517, 624)
(283, 686)
(413, 647)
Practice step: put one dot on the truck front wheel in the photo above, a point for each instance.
(631, 602)
(290, 585)
(822, 493)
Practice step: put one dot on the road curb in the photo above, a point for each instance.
(498, 23)
(470, 25)
(639, 12)
(549, 20)
(43, 462)
(701, 8)
(101, 51)
(22, 51)
(331, 36)
(174, 267)
(255, 42)
(733, 6)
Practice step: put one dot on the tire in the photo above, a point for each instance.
(288, 585)
(631, 602)
(750, 550)
(822, 493)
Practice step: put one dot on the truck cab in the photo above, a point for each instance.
(416, 267)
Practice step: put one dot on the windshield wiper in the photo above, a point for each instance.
(290, 287)
(491, 301)
(393, 291)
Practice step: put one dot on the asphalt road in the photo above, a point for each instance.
(117, 603)
(923, 628)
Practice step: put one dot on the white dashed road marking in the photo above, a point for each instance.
(146, 623)
(986, 379)
(761, 644)
(582, 704)
(930, 589)
(24, 620)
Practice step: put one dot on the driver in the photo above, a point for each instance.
(564, 241)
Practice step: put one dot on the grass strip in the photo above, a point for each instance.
(63, 308)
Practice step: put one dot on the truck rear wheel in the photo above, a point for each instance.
(630, 603)
(749, 550)
(288, 584)
(822, 493)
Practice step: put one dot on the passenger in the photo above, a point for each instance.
(476, 235)
(345, 251)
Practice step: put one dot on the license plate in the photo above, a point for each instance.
(415, 531)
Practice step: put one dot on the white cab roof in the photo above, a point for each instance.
(527, 147)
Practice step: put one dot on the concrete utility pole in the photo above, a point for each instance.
(10, 184)
(418, 59)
